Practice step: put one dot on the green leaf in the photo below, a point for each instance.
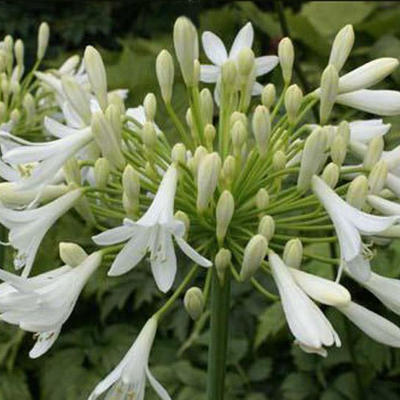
(347, 385)
(261, 369)
(13, 386)
(298, 386)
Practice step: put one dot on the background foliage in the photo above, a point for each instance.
(263, 363)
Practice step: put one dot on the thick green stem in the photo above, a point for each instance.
(220, 298)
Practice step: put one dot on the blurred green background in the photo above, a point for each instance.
(263, 363)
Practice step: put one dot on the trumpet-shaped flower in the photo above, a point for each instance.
(28, 227)
(42, 304)
(350, 223)
(128, 380)
(153, 232)
(217, 54)
(308, 324)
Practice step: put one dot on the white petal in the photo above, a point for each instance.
(393, 183)
(359, 267)
(365, 131)
(384, 206)
(214, 48)
(380, 102)
(257, 89)
(372, 324)
(192, 254)
(265, 64)
(162, 393)
(243, 39)
(114, 235)
(57, 129)
(209, 73)
(43, 343)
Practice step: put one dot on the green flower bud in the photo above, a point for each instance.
(254, 255)
(101, 172)
(196, 72)
(229, 75)
(72, 171)
(189, 118)
(207, 106)
(229, 169)
(286, 58)
(43, 39)
(15, 115)
(165, 74)
(207, 180)
(268, 95)
(178, 153)
(331, 174)
(341, 47)
(293, 99)
(262, 199)
(194, 302)
(237, 116)
(114, 99)
(374, 152)
(222, 263)
(377, 177)
(266, 227)
(261, 125)
(338, 149)
(77, 97)
(293, 253)
(199, 154)
(279, 160)
(113, 116)
(238, 135)
(183, 217)
(224, 212)
(15, 87)
(344, 131)
(72, 254)
(209, 134)
(8, 43)
(131, 190)
(29, 107)
(357, 192)
(245, 61)
(149, 135)
(329, 90)
(150, 106)
(19, 52)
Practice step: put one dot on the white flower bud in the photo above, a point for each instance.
(150, 106)
(341, 47)
(72, 254)
(186, 45)
(165, 74)
(131, 190)
(293, 99)
(69, 65)
(329, 90)
(194, 302)
(357, 192)
(19, 52)
(254, 254)
(149, 135)
(113, 116)
(223, 213)
(377, 177)
(279, 160)
(286, 58)
(222, 263)
(207, 180)
(196, 72)
(207, 106)
(29, 107)
(15, 115)
(43, 39)
(178, 153)
(107, 140)
(15, 87)
(293, 253)
(343, 130)
(101, 172)
(183, 217)
(209, 134)
(331, 174)
(262, 199)
(238, 135)
(261, 124)
(313, 153)
(266, 227)
(338, 149)
(374, 152)
(72, 171)
(229, 169)
(229, 75)
(237, 116)
(268, 95)
(8, 43)
(199, 154)
(77, 97)
(97, 75)
(114, 99)
(245, 61)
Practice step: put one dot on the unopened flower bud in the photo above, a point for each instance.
(183, 217)
(19, 52)
(77, 97)
(266, 227)
(189, 118)
(97, 74)
(238, 135)
(268, 95)
(207, 180)
(194, 302)
(254, 255)
(69, 65)
(237, 116)
(8, 43)
(374, 152)
(338, 149)
(224, 212)
(206, 106)
(29, 107)
(107, 140)
(343, 130)
(149, 135)
(101, 172)
(178, 153)
(329, 90)
(209, 134)
(199, 154)
(293, 253)
(279, 160)
(262, 199)
(245, 61)
(222, 263)
(313, 152)
(196, 72)
(261, 125)
(43, 39)
(341, 47)
(15, 115)
(229, 169)
(331, 174)
(72, 254)
(377, 177)
(72, 171)
(116, 100)
(165, 74)
(131, 190)
(186, 48)
(15, 87)
(357, 192)
(293, 99)
(113, 116)
(286, 58)
(150, 106)
(229, 75)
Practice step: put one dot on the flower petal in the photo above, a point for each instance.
(162, 393)
(43, 343)
(192, 254)
(209, 73)
(265, 64)
(243, 39)
(257, 89)
(214, 48)
(114, 235)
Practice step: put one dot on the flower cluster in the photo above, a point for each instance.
(249, 186)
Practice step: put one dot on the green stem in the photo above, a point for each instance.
(220, 298)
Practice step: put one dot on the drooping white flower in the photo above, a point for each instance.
(217, 54)
(43, 303)
(306, 321)
(372, 324)
(350, 223)
(153, 232)
(28, 227)
(128, 380)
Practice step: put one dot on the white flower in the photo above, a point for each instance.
(42, 304)
(153, 232)
(28, 227)
(138, 114)
(128, 380)
(350, 223)
(365, 130)
(306, 321)
(372, 324)
(217, 54)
